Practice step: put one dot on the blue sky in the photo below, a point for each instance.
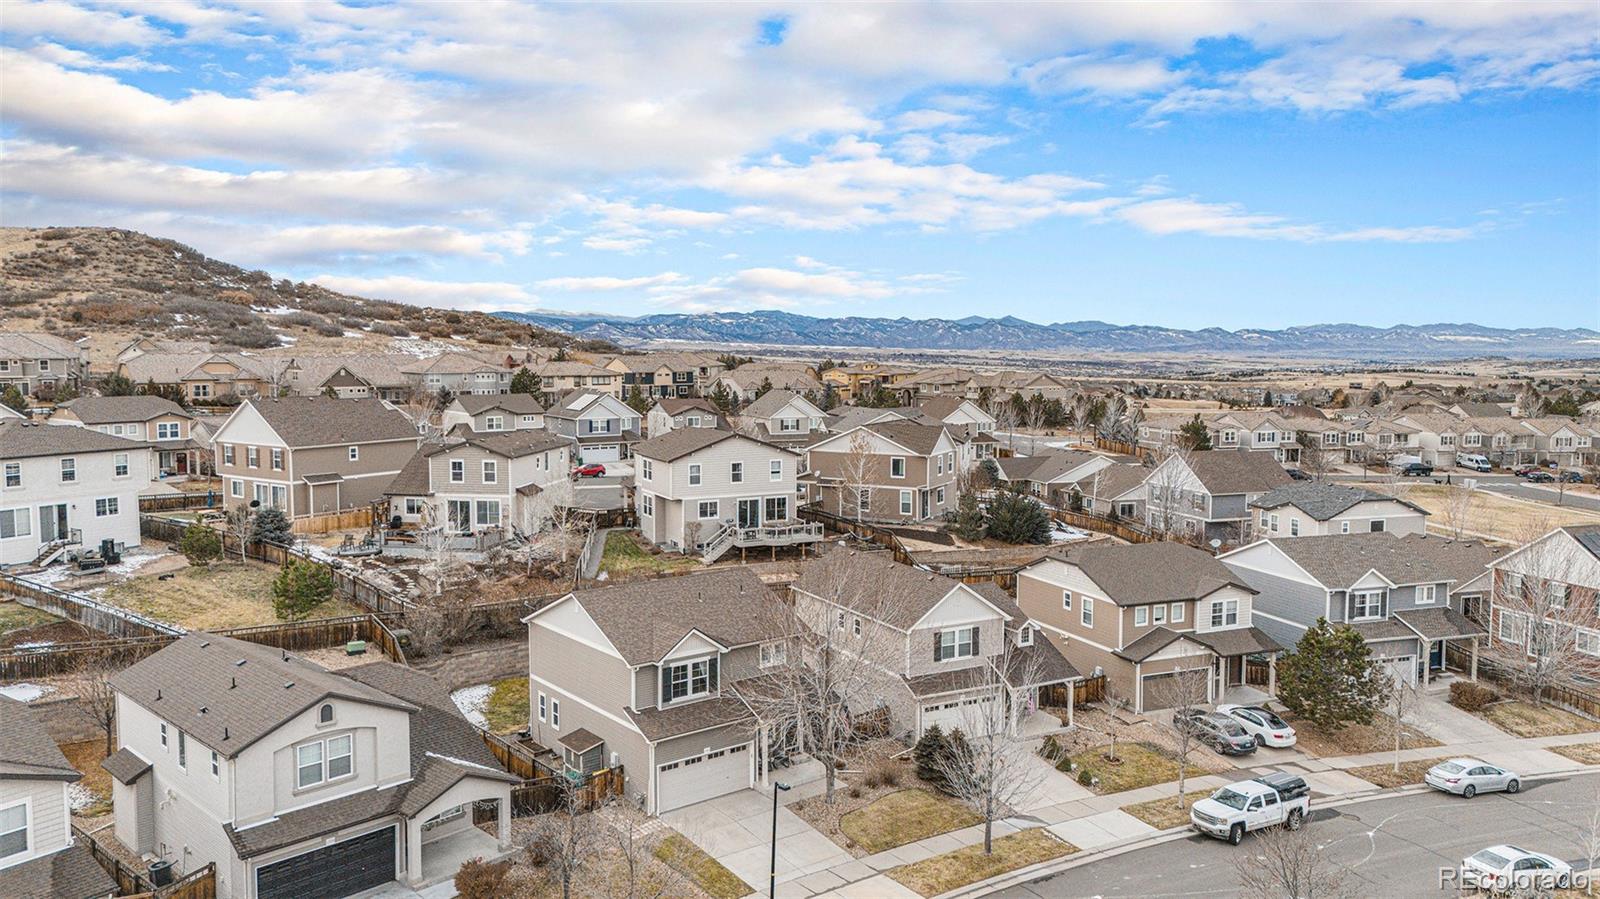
(1193, 165)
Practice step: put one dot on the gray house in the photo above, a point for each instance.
(604, 427)
(1206, 495)
(1402, 593)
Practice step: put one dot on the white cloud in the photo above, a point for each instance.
(76, 24)
(78, 59)
(607, 283)
(1113, 76)
(1189, 216)
(471, 295)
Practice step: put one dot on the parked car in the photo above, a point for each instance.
(1262, 724)
(1416, 470)
(1502, 869)
(1218, 731)
(1296, 474)
(592, 470)
(1526, 470)
(1571, 477)
(1266, 801)
(1474, 462)
(1541, 477)
(1469, 777)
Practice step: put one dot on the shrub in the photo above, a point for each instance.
(200, 544)
(272, 526)
(1471, 697)
(478, 879)
(539, 852)
(1084, 777)
(855, 792)
(926, 754)
(299, 588)
(883, 772)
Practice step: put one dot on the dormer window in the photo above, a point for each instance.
(325, 714)
(1025, 635)
(688, 680)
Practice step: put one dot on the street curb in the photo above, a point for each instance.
(1111, 850)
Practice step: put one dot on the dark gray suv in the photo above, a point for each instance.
(1216, 730)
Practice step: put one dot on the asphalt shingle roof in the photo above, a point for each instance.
(519, 403)
(1140, 573)
(768, 404)
(1044, 468)
(646, 619)
(917, 437)
(125, 765)
(680, 442)
(1324, 501)
(660, 724)
(20, 438)
(1339, 560)
(100, 410)
(26, 749)
(673, 405)
(1226, 472)
(874, 584)
(326, 421)
(71, 873)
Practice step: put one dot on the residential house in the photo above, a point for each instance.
(155, 421)
(139, 346)
(847, 418)
(744, 382)
(665, 374)
(62, 488)
(556, 378)
(1206, 495)
(494, 412)
(33, 361)
(645, 677)
(705, 489)
(1438, 436)
(784, 417)
(604, 427)
(1318, 509)
(1027, 384)
(864, 379)
(897, 471)
(1259, 432)
(459, 373)
(670, 413)
(311, 454)
(204, 378)
(965, 420)
(353, 375)
(295, 780)
(1403, 593)
(1052, 477)
(961, 382)
(1146, 615)
(1116, 490)
(944, 651)
(1563, 441)
(39, 857)
(1466, 409)
(479, 481)
(1501, 439)
(1556, 576)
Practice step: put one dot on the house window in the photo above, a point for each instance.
(542, 703)
(710, 508)
(323, 760)
(938, 496)
(13, 474)
(458, 471)
(855, 627)
(694, 474)
(1556, 594)
(69, 470)
(1589, 642)
(647, 504)
(183, 750)
(119, 465)
(1224, 613)
(1066, 600)
(494, 423)
(1274, 522)
(1158, 614)
(236, 487)
(104, 508)
(227, 454)
(355, 454)
(277, 459)
(491, 471)
(905, 502)
(413, 505)
(736, 472)
(775, 653)
(1513, 627)
(897, 466)
(555, 713)
(694, 421)
(202, 391)
(646, 469)
(1025, 635)
(13, 830)
(489, 513)
(1425, 594)
(1344, 527)
(1086, 612)
(689, 680)
(1375, 526)
(1294, 527)
(1366, 604)
(1177, 612)
(216, 765)
(777, 469)
(325, 714)
(163, 735)
(864, 499)
(44, 364)
(252, 456)
(1141, 616)
(956, 643)
(1264, 520)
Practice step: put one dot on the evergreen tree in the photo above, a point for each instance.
(330, 393)
(444, 397)
(636, 400)
(764, 389)
(1331, 680)
(200, 544)
(299, 588)
(723, 399)
(14, 398)
(525, 381)
(561, 355)
(1266, 398)
(271, 526)
(1194, 435)
(967, 521)
(930, 748)
(826, 364)
(1565, 404)
(1018, 518)
(991, 471)
(955, 748)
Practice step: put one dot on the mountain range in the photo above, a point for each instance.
(1346, 341)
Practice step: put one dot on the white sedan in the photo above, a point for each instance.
(1502, 869)
(1261, 723)
(1469, 777)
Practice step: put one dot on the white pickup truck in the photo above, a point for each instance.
(1266, 801)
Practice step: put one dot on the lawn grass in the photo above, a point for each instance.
(506, 711)
(1499, 516)
(1582, 753)
(1385, 776)
(1354, 739)
(229, 594)
(1141, 766)
(904, 817)
(14, 616)
(1524, 719)
(624, 557)
(943, 873)
(1165, 812)
(707, 873)
(86, 757)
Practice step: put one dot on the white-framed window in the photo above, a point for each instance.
(355, 454)
(905, 502)
(1294, 527)
(543, 703)
(69, 470)
(1066, 600)
(736, 472)
(938, 496)
(1224, 612)
(1158, 614)
(44, 364)
(774, 653)
(1588, 641)
(414, 505)
(1513, 627)
(855, 627)
(494, 423)
(325, 714)
(1426, 594)
(15, 523)
(693, 421)
(14, 830)
(1556, 594)
(1177, 612)
(216, 765)
(689, 680)
(1344, 527)
(227, 454)
(491, 471)
(956, 643)
(694, 474)
(458, 471)
(1274, 519)
(938, 464)
(322, 761)
(277, 459)
(488, 513)
(1264, 519)
(106, 507)
(776, 469)
(163, 735)
(13, 474)
(252, 456)
(555, 713)
(119, 465)
(183, 750)
(236, 487)
(200, 391)
(647, 504)
(1141, 616)
(897, 466)
(1025, 635)
(1086, 612)
(710, 508)
(1366, 604)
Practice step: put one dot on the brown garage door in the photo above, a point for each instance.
(1163, 691)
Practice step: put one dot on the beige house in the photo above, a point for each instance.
(205, 377)
(154, 420)
(785, 417)
(1316, 509)
(556, 378)
(894, 470)
(311, 454)
(670, 413)
(479, 481)
(31, 361)
(1145, 615)
(494, 412)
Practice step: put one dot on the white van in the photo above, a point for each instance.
(1473, 461)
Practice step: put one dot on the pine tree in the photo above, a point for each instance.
(1331, 680)
(1017, 518)
(926, 754)
(299, 588)
(116, 385)
(14, 398)
(722, 399)
(968, 522)
(1193, 435)
(764, 389)
(525, 381)
(272, 526)
(200, 544)
(636, 400)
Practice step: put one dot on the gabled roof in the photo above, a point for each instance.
(769, 403)
(1139, 573)
(572, 368)
(326, 421)
(1325, 500)
(1115, 480)
(1483, 410)
(749, 377)
(21, 438)
(919, 438)
(36, 345)
(646, 619)
(169, 368)
(1339, 560)
(574, 403)
(27, 751)
(941, 407)
(1587, 535)
(199, 684)
(516, 403)
(100, 410)
(845, 418)
(874, 584)
(413, 478)
(1224, 472)
(1046, 467)
(675, 405)
(680, 442)
(510, 444)
(451, 364)
(377, 369)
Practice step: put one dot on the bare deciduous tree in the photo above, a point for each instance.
(857, 475)
(1284, 862)
(1589, 839)
(566, 840)
(1184, 693)
(1460, 509)
(1404, 697)
(1164, 491)
(1538, 618)
(1078, 415)
(239, 524)
(635, 873)
(1315, 460)
(97, 701)
(552, 526)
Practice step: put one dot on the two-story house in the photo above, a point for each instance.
(1146, 615)
(39, 858)
(1257, 432)
(863, 379)
(153, 420)
(1403, 593)
(294, 780)
(311, 454)
(1317, 509)
(479, 481)
(62, 488)
(895, 470)
(1115, 491)
(351, 375)
(709, 490)
(670, 413)
(205, 377)
(1052, 477)
(645, 676)
(1555, 577)
(494, 412)
(1206, 495)
(783, 417)
(664, 374)
(604, 427)
(1562, 441)
(1438, 437)
(459, 373)
(964, 419)
(32, 361)
(744, 382)
(557, 378)
(937, 651)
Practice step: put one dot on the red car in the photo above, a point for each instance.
(592, 470)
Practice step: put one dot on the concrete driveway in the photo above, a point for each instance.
(736, 830)
(1436, 717)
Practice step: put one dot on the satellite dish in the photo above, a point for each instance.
(255, 504)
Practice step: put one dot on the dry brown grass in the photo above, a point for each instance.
(1386, 776)
(1165, 812)
(902, 817)
(229, 594)
(1582, 753)
(1501, 517)
(707, 873)
(876, 755)
(943, 873)
(86, 757)
(1354, 739)
(1524, 719)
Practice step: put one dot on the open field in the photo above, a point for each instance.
(1495, 516)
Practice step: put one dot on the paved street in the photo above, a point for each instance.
(1395, 846)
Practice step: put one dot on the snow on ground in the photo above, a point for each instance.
(132, 560)
(80, 797)
(472, 700)
(1062, 534)
(24, 691)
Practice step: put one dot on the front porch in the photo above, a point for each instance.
(443, 857)
(463, 823)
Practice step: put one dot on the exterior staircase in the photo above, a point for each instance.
(788, 534)
(53, 550)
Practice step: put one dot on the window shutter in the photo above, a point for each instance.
(666, 684)
(975, 644)
(711, 672)
(936, 646)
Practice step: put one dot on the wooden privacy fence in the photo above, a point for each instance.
(871, 532)
(514, 757)
(176, 502)
(1123, 447)
(83, 609)
(323, 522)
(1257, 672)
(130, 881)
(1115, 527)
(1089, 689)
(197, 884)
(548, 794)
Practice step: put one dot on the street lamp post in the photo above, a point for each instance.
(772, 870)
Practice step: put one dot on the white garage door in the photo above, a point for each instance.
(703, 777)
(954, 713)
(605, 452)
(1402, 669)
